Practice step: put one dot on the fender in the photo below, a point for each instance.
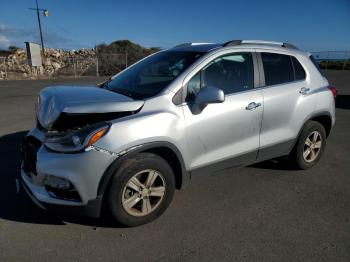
(286, 147)
(110, 171)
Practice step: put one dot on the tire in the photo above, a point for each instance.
(136, 202)
(312, 155)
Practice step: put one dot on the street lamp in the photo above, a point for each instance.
(46, 14)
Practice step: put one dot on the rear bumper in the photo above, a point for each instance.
(91, 209)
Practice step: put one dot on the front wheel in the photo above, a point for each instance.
(310, 146)
(141, 190)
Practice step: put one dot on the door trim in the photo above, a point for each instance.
(238, 161)
(276, 150)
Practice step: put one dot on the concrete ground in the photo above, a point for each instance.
(263, 212)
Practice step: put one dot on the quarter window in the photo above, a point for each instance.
(316, 64)
(299, 72)
(278, 68)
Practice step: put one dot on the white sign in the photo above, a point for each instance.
(33, 54)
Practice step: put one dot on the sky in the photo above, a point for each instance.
(312, 25)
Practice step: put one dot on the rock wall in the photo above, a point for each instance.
(55, 63)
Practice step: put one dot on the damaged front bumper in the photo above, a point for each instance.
(91, 209)
(82, 171)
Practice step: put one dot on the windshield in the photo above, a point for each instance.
(150, 76)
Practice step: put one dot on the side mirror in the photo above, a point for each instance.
(207, 95)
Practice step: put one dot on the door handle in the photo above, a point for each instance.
(252, 106)
(304, 90)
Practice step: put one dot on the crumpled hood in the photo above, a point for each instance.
(53, 101)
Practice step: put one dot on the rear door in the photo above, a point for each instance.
(287, 102)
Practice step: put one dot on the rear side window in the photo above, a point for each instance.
(278, 68)
(299, 72)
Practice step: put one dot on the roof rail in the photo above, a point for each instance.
(232, 43)
(287, 45)
(239, 42)
(190, 44)
(182, 45)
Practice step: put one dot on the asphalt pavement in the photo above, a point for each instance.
(264, 212)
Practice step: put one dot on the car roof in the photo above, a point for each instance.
(256, 44)
(197, 47)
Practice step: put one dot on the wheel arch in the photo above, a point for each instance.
(165, 150)
(325, 120)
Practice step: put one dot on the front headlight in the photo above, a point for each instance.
(76, 141)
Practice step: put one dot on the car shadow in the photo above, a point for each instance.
(280, 163)
(15, 205)
(342, 102)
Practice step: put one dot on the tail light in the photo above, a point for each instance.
(334, 91)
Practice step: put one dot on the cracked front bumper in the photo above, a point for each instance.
(83, 170)
(92, 208)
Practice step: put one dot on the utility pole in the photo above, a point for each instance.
(97, 71)
(46, 13)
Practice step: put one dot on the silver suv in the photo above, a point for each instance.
(180, 113)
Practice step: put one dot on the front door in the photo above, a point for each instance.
(225, 134)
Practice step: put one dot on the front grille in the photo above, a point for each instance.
(30, 148)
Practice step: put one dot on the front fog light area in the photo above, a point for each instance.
(57, 182)
(61, 188)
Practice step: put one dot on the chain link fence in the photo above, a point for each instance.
(77, 64)
(101, 65)
(71, 67)
(3, 68)
(64, 66)
(11, 67)
(109, 64)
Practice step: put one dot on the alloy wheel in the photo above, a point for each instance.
(312, 146)
(143, 193)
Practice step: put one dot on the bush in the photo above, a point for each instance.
(336, 65)
(9, 51)
(116, 56)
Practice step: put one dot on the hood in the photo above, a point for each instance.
(55, 102)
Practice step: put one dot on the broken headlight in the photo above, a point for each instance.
(75, 141)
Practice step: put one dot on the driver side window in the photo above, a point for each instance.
(232, 73)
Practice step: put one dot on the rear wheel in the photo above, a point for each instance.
(310, 146)
(141, 189)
